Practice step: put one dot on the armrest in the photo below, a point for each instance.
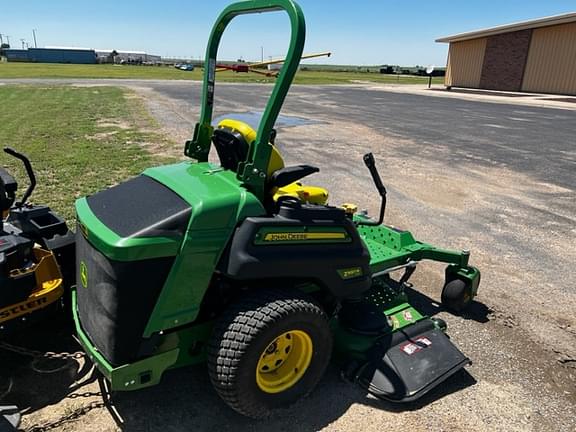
(287, 175)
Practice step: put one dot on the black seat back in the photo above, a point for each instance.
(8, 187)
(231, 147)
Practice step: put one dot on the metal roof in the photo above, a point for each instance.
(97, 50)
(523, 25)
(67, 48)
(121, 52)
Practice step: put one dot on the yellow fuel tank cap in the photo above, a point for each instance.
(350, 208)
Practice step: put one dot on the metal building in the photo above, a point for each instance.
(59, 55)
(128, 56)
(52, 55)
(16, 55)
(532, 56)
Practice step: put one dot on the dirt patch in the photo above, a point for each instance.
(158, 148)
(113, 123)
(100, 136)
(174, 121)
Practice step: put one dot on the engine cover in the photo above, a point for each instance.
(117, 294)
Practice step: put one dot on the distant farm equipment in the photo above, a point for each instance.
(272, 67)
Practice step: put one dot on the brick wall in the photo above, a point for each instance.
(505, 60)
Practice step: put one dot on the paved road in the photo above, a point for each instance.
(537, 141)
(496, 178)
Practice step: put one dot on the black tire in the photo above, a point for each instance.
(457, 295)
(243, 334)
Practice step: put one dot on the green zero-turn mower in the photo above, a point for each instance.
(225, 263)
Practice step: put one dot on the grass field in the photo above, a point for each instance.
(36, 70)
(79, 140)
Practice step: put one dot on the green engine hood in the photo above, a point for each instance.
(217, 200)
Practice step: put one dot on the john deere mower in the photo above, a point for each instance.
(242, 265)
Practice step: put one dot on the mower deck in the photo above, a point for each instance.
(389, 348)
(403, 366)
(390, 247)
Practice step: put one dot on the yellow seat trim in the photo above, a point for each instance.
(249, 134)
(309, 194)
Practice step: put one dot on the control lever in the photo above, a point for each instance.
(371, 165)
(29, 171)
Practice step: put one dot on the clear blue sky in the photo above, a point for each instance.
(357, 31)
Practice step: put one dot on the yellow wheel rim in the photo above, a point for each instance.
(284, 361)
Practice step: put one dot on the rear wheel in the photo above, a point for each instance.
(269, 350)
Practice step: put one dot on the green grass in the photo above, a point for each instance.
(79, 140)
(43, 70)
(54, 70)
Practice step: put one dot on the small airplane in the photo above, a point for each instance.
(253, 67)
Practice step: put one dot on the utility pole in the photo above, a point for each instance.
(262, 54)
(23, 42)
(34, 34)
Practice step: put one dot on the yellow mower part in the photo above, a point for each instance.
(349, 208)
(48, 286)
(284, 361)
(309, 194)
(249, 134)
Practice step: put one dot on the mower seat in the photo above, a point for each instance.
(232, 139)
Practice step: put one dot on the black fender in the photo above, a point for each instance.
(280, 247)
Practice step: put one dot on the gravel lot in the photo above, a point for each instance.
(493, 175)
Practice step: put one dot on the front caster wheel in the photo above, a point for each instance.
(457, 295)
(268, 351)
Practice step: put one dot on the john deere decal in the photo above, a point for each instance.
(350, 273)
(296, 236)
(83, 274)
